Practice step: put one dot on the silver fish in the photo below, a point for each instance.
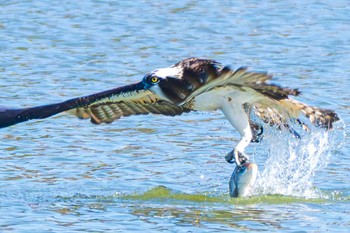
(243, 179)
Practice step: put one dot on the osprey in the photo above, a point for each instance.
(192, 84)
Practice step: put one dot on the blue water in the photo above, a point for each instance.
(155, 173)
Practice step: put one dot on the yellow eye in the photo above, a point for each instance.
(154, 79)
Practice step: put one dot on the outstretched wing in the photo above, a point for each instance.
(101, 107)
(254, 83)
(271, 102)
(198, 76)
(110, 109)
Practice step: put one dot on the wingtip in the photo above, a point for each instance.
(9, 117)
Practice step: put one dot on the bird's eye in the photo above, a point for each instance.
(154, 79)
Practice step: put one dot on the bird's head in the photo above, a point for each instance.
(159, 81)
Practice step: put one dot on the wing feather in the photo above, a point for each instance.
(270, 101)
(245, 81)
(107, 112)
(103, 107)
(197, 76)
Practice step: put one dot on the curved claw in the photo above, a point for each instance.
(295, 134)
(237, 157)
(229, 157)
(257, 136)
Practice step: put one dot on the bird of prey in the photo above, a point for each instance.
(192, 84)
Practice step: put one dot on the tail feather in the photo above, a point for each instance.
(318, 116)
(282, 112)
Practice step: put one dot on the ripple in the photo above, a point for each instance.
(52, 51)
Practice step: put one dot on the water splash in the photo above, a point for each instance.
(292, 164)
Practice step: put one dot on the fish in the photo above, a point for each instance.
(242, 180)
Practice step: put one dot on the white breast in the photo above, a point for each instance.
(215, 99)
(208, 101)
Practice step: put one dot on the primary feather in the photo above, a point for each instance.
(180, 90)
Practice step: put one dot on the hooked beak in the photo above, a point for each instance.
(145, 86)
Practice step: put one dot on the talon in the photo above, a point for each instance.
(257, 136)
(229, 157)
(240, 158)
(295, 134)
(237, 157)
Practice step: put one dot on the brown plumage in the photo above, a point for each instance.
(200, 75)
(110, 111)
(178, 93)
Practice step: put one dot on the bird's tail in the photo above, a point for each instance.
(10, 116)
(280, 114)
(320, 117)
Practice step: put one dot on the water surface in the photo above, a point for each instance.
(155, 173)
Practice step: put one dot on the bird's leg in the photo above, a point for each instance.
(257, 129)
(239, 119)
